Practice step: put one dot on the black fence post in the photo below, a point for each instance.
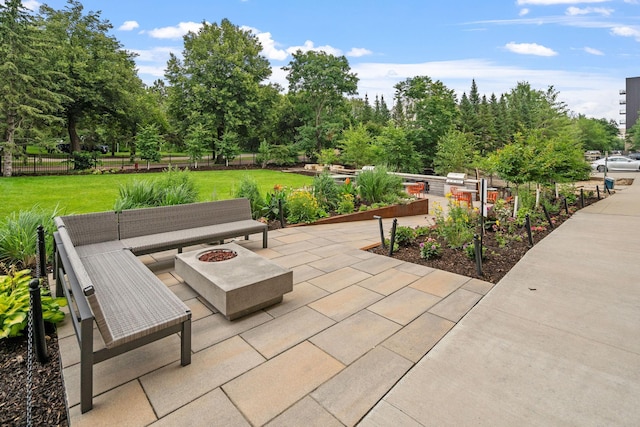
(528, 226)
(281, 213)
(379, 218)
(41, 252)
(393, 236)
(598, 191)
(38, 322)
(566, 206)
(546, 214)
(477, 246)
(582, 197)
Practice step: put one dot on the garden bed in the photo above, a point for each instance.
(499, 257)
(416, 207)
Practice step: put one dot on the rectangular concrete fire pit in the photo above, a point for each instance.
(236, 286)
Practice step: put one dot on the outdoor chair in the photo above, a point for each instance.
(416, 189)
(492, 196)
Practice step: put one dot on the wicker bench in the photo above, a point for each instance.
(97, 270)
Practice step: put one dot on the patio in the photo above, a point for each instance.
(308, 360)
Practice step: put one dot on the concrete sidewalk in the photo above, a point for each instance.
(556, 342)
(368, 339)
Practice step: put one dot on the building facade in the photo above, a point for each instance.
(631, 102)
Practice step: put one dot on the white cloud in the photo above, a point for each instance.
(530, 49)
(128, 26)
(308, 45)
(574, 11)
(269, 46)
(554, 2)
(593, 51)
(357, 52)
(157, 54)
(31, 5)
(175, 32)
(626, 32)
(524, 12)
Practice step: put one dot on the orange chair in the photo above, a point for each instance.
(464, 197)
(492, 196)
(416, 189)
(454, 191)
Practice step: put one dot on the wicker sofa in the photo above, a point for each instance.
(97, 270)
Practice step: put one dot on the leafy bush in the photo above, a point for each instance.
(82, 160)
(19, 239)
(273, 202)
(172, 187)
(302, 206)
(378, 186)
(346, 205)
(326, 191)
(249, 189)
(405, 236)
(14, 303)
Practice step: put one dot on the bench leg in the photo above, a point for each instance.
(86, 365)
(185, 343)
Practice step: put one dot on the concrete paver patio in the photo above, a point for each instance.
(351, 314)
(371, 340)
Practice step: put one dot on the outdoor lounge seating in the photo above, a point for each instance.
(416, 189)
(97, 270)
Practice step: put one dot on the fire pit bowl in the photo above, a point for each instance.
(215, 255)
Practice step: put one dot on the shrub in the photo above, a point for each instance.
(346, 204)
(273, 201)
(405, 236)
(14, 303)
(302, 206)
(83, 160)
(430, 249)
(19, 239)
(249, 189)
(377, 185)
(172, 187)
(326, 191)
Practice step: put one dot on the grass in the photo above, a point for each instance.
(74, 194)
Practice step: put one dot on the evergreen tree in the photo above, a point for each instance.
(26, 85)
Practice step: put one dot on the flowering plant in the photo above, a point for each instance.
(430, 248)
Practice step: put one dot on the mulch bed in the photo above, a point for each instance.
(498, 260)
(48, 398)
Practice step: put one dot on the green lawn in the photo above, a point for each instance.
(94, 193)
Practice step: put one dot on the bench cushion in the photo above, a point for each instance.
(193, 236)
(129, 302)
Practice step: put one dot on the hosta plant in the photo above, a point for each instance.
(14, 303)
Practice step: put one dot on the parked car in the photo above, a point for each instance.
(65, 147)
(616, 163)
(634, 156)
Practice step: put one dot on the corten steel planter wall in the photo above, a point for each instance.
(417, 207)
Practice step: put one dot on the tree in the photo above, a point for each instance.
(196, 142)
(217, 83)
(429, 111)
(148, 143)
(357, 146)
(396, 150)
(318, 82)
(97, 76)
(26, 87)
(593, 134)
(455, 153)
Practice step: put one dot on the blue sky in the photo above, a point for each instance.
(585, 49)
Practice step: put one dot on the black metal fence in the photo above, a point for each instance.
(52, 164)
